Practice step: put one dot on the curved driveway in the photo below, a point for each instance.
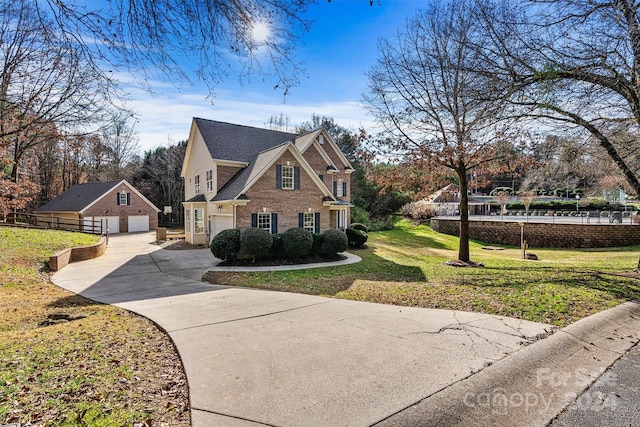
(255, 357)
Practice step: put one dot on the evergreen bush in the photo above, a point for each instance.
(356, 238)
(335, 241)
(297, 242)
(226, 244)
(255, 243)
(359, 226)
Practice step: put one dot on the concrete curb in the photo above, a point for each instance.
(351, 259)
(532, 386)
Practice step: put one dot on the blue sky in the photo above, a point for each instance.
(337, 52)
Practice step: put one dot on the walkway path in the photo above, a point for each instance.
(255, 357)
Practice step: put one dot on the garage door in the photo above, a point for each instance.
(138, 223)
(111, 222)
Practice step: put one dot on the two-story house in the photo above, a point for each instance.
(239, 176)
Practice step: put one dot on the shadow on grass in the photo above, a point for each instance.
(402, 237)
(322, 281)
(621, 287)
(72, 301)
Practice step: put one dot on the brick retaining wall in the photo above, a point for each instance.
(62, 258)
(544, 235)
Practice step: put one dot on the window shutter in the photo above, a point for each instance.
(128, 198)
(279, 177)
(296, 178)
(274, 223)
(118, 199)
(317, 222)
(254, 220)
(344, 189)
(335, 189)
(301, 220)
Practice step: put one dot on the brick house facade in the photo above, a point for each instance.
(115, 205)
(239, 177)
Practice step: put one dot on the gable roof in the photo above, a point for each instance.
(227, 141)
(80, 197)
(258, 165)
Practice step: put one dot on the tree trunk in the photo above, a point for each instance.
(463, 248)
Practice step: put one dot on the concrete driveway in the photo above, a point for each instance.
(255, 357)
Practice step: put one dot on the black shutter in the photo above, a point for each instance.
(335, 189)
(128, 198)
(274, 223)
(296, 178)
(254, 220)
(301, 220)
(279, 177)
(317, 222)
(118, 199)
(344, 189)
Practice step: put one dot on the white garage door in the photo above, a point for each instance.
(138, 223)
(111, 222)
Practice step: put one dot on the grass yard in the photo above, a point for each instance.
(404, 266)
(108, 368)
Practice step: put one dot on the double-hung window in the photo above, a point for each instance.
(198, 221)
(123, 198)
(287, 177)
(309, 221)
(196, 181)
(209, 180)
(264, 221)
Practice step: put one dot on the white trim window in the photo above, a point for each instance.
(264, 221)
(209, 180)
(287, 177)
(198, 221)
(122, 198)
(197, 184)
(187, 220)
(339, 189)
(309, 221)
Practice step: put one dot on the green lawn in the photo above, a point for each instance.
(108, 368)
(405, 266)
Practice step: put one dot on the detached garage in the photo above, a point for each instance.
(115, 206)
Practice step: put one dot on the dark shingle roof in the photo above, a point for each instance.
(227, 141)
(78, 197)
(257, 164)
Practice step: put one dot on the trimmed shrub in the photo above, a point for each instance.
(297, 242)
(356, 238)
(318, 240)
(226, 244)
(335, 241)
(276, 250)
(359, 226)
(255, 243)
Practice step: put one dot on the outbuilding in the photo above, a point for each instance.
(115, 206)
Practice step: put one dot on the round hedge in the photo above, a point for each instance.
(359, 226)
(356, 238)
(335, 241)
(255, 243)
(226, 244)
(297, 242)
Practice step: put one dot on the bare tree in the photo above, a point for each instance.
(217, 36)
(45, 87)
(432, 109)
(572, 64)
(119, 141)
